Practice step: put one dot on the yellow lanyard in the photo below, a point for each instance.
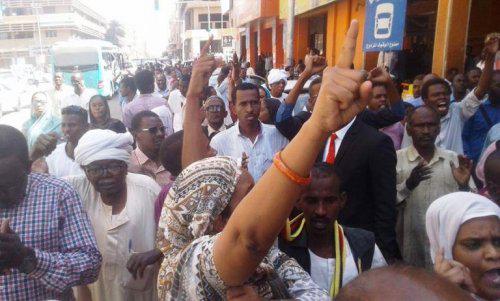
(340, 256)
(289, 236)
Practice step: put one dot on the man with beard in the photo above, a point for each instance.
(424, 173)
(121, 209)
(259, 141)
(477, 127)
(60, 157)
(149, 132)
(315, 247)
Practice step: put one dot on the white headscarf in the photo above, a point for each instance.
(275, 75)
(103, 145)
(446, 214)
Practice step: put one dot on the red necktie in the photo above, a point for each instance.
(330, 157)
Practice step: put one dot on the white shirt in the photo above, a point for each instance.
(60, 165)
(57, 98)
(338, 141)
(118, 236)
(260, 153)
(176, 102)
(166, 118)
(83, 100)
(323, 269)
(211, 130)
(450, 137)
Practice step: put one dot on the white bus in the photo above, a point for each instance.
(99, 62)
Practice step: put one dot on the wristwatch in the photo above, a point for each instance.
(29, 262)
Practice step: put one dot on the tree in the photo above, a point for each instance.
(114, 33)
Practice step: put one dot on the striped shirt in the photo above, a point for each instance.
(51, 221)
(231, 142)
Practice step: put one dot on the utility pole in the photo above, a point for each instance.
(290, 27)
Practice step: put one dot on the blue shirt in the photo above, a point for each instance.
(476, 128)
(416, 102)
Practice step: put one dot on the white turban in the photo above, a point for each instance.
(446, 214)
(103, 145)
(275, 75)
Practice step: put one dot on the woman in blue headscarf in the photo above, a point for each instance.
(41, 121)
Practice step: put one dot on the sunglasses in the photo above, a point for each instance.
(214, 109)
(154, 130)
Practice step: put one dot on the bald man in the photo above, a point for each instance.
(81, 95)
(395, 283)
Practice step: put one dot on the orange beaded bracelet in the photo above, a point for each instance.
(290, 174)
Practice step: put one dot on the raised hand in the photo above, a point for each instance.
(463, 172)
(380, 75)
(420, 173)
(453, 271)
(314, 64)
(45, 144)
(344, 92)
(202, 70)
(491, 45)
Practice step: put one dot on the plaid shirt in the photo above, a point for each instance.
(51, 220)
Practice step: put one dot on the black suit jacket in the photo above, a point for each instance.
(366, 163)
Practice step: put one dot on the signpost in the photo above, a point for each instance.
(384, 25)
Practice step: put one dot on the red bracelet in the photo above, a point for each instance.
(290, 174)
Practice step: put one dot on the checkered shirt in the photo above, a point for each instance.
(50, 220)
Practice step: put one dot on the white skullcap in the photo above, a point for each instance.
(446, 214)
(275, 75)
(103, 145)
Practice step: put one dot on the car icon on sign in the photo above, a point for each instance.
(383, 20)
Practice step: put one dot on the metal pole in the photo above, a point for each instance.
(290, 27)
(39, 30)
(209, 25)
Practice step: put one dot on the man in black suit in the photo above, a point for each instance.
(365, 158)
(215, 112)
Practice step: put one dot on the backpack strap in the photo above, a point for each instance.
(362, 244)
(485, 116)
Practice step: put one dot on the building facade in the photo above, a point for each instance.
(29, 27)
(196, 20)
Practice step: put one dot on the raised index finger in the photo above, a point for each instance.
(206, 47)
(349, 48)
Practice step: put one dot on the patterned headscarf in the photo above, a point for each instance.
(200, 193)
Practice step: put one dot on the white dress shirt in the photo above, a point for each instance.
(176, 102)
(60, 165)
(450, 137)
(79, 100)
(338, 141)
(260, 153)
(166, 117)
(323, 269)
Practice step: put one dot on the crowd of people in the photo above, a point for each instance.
(210, 187)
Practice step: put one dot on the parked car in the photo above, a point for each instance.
(10, 100)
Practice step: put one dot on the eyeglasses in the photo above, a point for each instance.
(97, 171)
(214, 109)
(155, 129)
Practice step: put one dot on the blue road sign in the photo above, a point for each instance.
(384, 25)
